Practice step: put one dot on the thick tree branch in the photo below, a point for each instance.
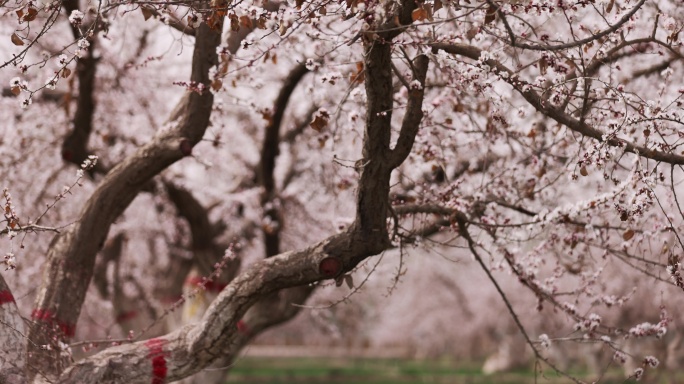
(269, 149)
(276, 308)
(235, 38)
(414, 113)
(206, 252)
(172, 22)
(560, 47)
(75, 145)
(126, 309)
(397, 23)
(194, 347)
(71, 256)
(291, 135)
(373, 191)
(111, 253)
(269, 153)
(558, 115)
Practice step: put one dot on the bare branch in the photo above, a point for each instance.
(559, 47)
(269, 152)
(558, 115)
(269, 149)
(173, 21)
(414, 113)
(194, 347)
(71, 256)
(75, 145)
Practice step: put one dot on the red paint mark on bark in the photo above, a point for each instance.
(50, 319)
(159, 369)
(208, 285)
(6, 297)
(186, 147)
(330, 267)
(125, 316)
(242, 327)
(67, 155)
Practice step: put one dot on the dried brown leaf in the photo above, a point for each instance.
(146, 13)
(234, 23)
(31, 14)
(246, 22)
(437, 6)
(490, 15)
(610, 5)
(16, 40)
(319, 123)
(419, 14)
(543, 65)
(216, 85)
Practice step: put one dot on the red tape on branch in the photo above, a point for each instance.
(50, 319)
(156, 354)
(6, 297)
(242, 327)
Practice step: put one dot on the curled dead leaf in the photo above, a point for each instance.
(349, 280)
(419, 14)
(234, 23)
(472, 32)
(628, 235)
(146, 13)
(437, 6)
(261, 22)
(543, 65)
(246, 22)
(610, 5)
(320, 121)
(31, 14)
(216, 85)
(16, 40)
(490, 14)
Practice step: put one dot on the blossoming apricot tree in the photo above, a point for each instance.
(542, 136)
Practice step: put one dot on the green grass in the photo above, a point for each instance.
(378, 371)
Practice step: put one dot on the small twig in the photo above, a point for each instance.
(347, 296)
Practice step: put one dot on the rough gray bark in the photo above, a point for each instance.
(71, 257)
(190, 349)
(278, 307)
